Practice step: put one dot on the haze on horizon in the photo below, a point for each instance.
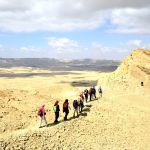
(76, 29)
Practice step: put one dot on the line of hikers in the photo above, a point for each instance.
(78, 105)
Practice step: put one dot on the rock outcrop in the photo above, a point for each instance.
(136, 65)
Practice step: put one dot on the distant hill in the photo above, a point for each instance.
(60, 65)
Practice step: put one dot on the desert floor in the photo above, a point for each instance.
(120, 120)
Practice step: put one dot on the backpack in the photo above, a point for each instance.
(82, 105)
(65, 105)
(85, 92)
(54, 108)
(40, 112)
(75, 103)
(93, 90)
(90, 91)
(79, 102)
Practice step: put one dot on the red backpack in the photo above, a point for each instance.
(65, 105)
(40, 112)
(90, 91)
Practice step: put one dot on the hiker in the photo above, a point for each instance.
(142, 83)
(42, 114)
(66, 108)
(100, 91)
(81, 101)
(56, 111)
(90, 93)
(93, 92)
(75, 106)
(80, 104)
(82, 96)
(86, 95)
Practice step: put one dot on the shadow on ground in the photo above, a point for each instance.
(84, 113)
(83, 83)
(25, 75)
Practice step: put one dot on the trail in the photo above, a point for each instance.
(106, 125)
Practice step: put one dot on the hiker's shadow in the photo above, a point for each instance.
(94, 99)
(84, 113)
(88, 106)
(54, 124)
(86, 110)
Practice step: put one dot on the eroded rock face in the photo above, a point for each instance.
(136, 65)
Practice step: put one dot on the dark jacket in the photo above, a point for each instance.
(93, 91)
(86, 92)
(57, 107)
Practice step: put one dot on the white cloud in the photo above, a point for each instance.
(101, 48)
(101, 51)
(45, 15)
(134, 44)
(106, 49)
(131, 20)
(71, 49)
(1, 47)
(66, 15)
(63, 45)
(28, 49)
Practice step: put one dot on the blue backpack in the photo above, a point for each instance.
(75, 103)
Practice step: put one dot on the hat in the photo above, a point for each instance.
(56, 102)
(66, 100)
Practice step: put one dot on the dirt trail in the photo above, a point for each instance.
(108, 123)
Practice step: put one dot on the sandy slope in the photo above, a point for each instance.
(118, 121)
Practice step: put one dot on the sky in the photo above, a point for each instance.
(73, 29)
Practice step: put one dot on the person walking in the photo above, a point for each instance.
(66, 108)
(86, 95)
(90, 93)
(100, 91)
(75, 107)
(93, 92)
(42, 115)
(80, 104)
(56, 111)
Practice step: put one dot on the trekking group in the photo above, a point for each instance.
(78, 105)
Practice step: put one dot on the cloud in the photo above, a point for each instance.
(28, 49)
(101, 51)
(131, 20)
(106, 49)
(45, 15)
(63, 45)
(134, 44)
(66, 15)
(14, 5)
(2, 47)
(71, 49)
